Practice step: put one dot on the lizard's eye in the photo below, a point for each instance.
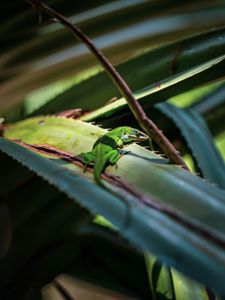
(135, 132)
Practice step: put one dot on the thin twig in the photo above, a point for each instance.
(147, 124)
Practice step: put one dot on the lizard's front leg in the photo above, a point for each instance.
(87, 158)
(113, 156)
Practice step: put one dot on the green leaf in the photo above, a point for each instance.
(73, 136)
(169, 284)
(199, 140)
(211, 101)
(212, 107)
(195, 96)
(155, 75)
(160, 279)
(152, 215)
(44, 226)
(10, 183)
(162, 48)
(108, 250)
(35, 58)
(185, 288)
(164, 88)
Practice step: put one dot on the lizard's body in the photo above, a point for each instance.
(106, 148)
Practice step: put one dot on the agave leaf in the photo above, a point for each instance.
(213, 108)
(22, 17)
(108, 250)
(35, 69)
(10, 183)
(48, 210)
(210, 102)
(155, 89)
(185, 288)
(105, 251)
(199, 140)
(38, 238)
(169, 284)
(192, 53)
(42, 231)
(152, 94)
(194, 96)
(73, 136)
(17, 189)
(188, 245)
(160, 279)
(214, 113)
(20, 211)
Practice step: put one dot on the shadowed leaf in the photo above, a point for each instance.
(199, 140)
(5, 230)
(185, 243)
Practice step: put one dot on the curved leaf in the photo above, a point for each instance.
(153, 74)
(185, 288)
(105, 252)
(160, 279)
(182, 244)
(210, 102)
(27, 67)
(39, 227)
(213, 108)
(199, 140)
(163, 88)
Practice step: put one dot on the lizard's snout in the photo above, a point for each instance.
(140, 137)
(143, 137)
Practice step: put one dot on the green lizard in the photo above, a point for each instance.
(106, 148)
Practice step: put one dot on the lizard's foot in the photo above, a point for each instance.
(87, 158)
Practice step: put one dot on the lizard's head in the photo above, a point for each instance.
(128, 135)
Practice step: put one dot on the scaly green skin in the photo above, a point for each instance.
(106, 148)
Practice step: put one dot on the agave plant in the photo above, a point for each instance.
(155, 230)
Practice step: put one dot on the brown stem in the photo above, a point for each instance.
(147, 125)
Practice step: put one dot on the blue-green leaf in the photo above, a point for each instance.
(199, 140)
(150, 229)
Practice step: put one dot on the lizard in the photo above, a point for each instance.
(106, 149)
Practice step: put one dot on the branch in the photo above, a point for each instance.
(147, 124)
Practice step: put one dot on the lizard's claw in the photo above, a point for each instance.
(86, 164)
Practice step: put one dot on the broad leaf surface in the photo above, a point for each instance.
(199, 140)
(148, 227)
